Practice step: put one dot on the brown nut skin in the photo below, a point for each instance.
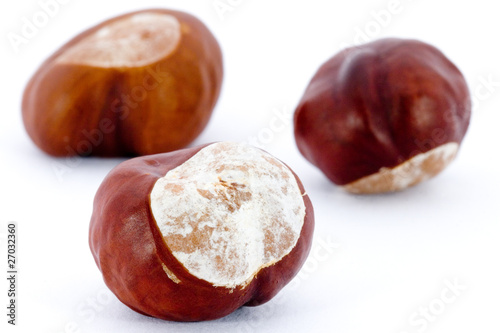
(84, 109)
(373, 107)
(129, 250)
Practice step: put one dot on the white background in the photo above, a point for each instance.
(376, 260)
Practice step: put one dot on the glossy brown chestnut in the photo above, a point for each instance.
(383, 116)
(197, 233)
(141, 83)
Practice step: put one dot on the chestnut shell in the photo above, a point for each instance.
(377, 105)
(129, 250)
(78, 109)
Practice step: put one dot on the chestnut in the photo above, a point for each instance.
(197, 233)
(142, 83)
(383, 116)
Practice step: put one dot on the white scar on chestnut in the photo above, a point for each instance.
(133, 41)
(409, 173)
(228, 212)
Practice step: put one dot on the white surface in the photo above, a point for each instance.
(377, 260)
(121, 43)
(238, 195)
(406, 174)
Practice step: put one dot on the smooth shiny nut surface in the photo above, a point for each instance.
(141, 83)
(197, 233)
(383, 116)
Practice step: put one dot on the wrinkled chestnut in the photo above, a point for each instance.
(197, 233)
(383, 116)
(142, 83)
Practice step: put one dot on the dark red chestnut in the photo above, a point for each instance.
(197, 233)
(141, 83)
(383, 116)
